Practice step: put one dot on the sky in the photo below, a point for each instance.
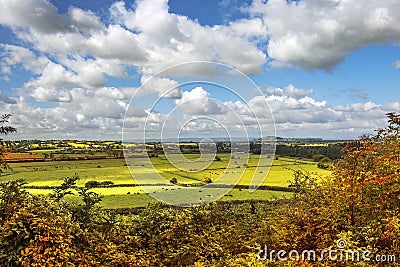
(106, 70)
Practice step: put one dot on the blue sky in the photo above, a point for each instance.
(78, 69)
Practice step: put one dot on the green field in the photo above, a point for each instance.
(51, 173)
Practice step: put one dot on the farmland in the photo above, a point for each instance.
(42, 176)
(130, 218)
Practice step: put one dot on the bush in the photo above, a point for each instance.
(317, 157)
(91, 184)
(38, 231)
(323, 163)
(34, 230)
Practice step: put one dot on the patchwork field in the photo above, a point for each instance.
(127, 194)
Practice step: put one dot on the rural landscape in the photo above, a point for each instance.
(101, 166)
(199, 133)
(75, 201)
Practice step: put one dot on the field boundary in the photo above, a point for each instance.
(262, 187)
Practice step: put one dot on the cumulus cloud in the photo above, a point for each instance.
(76, 72)
(49, 123)
(72, 57)
(198, 102)
(79, 113)
(289, 90)
(115, 42)
(13, 55)
(312, 35)
(292, 115)
(51, 95)
(151, 44)
(84, 20)
(54, 76)
(309, 117)
(6, 99)
(290, 110)
(171, 39)
(101, 106)
(110, 92)
(162, 86)
(39, 14)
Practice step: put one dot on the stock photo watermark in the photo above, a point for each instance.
(182, 104)
(340, 253)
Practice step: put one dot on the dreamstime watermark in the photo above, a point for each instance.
(340, 253)
(216, 105)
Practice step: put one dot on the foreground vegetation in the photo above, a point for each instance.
(359, 203)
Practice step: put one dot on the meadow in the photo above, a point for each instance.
(126, 194)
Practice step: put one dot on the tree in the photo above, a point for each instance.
(358, 202)
(4, 130)
(317, 157)
(323, 163)
(65, 188)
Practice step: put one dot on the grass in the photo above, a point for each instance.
(51, 173)
(119, 197)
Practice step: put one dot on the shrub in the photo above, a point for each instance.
(91, 184)
(323, 163)
(317, 157)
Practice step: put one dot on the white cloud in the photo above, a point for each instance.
(110, 92)
(171, 39)
(76, 72)
(151, 44)
(397, 64)
(115, 42)
(198, 102)
(309, 117)
(290, 110)
(249, 28)
(97, 107)
(164, 87)
(312, 34)
(72, 57)
(294, 92)
(289, 90)
(6, 99)
(51, 95)
(159, 29)
(38, 14)
(53, 44)
(54, 76)
(84, 20)
(14, 55)
(103, 109)
(82, 116)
